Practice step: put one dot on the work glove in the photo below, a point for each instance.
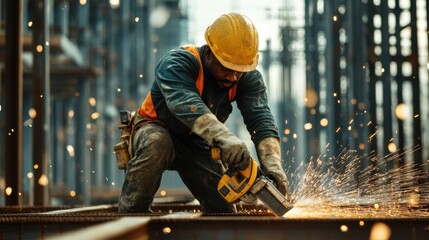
(233, 150)
(268, 151)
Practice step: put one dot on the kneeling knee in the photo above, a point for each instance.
(156, 142)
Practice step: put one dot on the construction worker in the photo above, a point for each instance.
(183, 116)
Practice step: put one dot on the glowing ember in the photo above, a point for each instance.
(92, 101)
(32, 113)
(8, 191)
(380, 231)
(43, 180)
(70, 150)
(39, 48)
(344, 228)
(166, 230)
(72, 194)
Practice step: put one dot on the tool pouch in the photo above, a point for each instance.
(122, 149)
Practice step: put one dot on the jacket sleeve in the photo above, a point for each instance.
(252, 100)
(175, 77)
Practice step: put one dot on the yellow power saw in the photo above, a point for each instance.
(250, 184)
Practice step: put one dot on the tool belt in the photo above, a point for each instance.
(124, 149)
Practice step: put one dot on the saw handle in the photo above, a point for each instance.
(216, 156)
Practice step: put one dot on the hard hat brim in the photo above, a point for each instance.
(238, 67)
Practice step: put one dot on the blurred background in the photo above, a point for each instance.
(347, 80)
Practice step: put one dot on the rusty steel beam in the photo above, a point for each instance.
(175, 221)
(90, 209)
(386, 79)
(273, 228)
(417, 114)
(123, 228)
(14, 103)
(41, 101)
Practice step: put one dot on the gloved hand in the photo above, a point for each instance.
(233, 150)
(268, 151)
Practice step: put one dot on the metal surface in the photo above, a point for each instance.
(270, 228)
(185, 221)
(41, 102)
(14, 91)
(123, 228)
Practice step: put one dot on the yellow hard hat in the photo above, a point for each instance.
(233, 39)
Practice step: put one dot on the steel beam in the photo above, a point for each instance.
(14, 102)
(399, 82)
(82, 167)
(179, 221)
(41, 101)
(123, 228)
(415, 81)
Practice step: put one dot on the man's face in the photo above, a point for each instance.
(225, 77)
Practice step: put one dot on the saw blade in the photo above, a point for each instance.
(265, 191)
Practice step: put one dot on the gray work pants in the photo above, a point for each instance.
(156, 150)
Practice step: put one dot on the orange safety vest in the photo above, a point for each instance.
(147, 109)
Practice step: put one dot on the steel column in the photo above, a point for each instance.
(313, 76)
(415, 81)
(399, 81)
(82, 170)
(386, 79)
(333, 94)
(356, 73)
(124, 51)
(14, 104)
(98, 139)
(110, 169)
(149, 63)
(41, 101)
(372, 125)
